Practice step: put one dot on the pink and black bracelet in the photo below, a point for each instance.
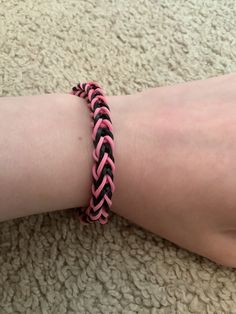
(104, 164)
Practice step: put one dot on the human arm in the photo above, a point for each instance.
(174, 153)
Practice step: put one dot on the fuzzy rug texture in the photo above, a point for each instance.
(49, 263)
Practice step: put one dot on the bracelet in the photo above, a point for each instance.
(104, 164)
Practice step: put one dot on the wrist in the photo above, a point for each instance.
(77, 124)
(124, 115)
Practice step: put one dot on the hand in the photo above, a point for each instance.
(176, 164)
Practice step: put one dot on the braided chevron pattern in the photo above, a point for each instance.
(104, 167)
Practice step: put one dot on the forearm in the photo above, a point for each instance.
(45, 154)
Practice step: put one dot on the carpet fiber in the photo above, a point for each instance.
(50, 263)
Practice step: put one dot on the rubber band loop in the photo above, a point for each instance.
(104, 164)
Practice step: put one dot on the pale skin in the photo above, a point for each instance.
(175, 153)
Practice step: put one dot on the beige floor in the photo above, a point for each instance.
(50, 263)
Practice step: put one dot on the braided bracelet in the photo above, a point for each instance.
(104, 166)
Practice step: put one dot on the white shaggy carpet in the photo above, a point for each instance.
(50, 263)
